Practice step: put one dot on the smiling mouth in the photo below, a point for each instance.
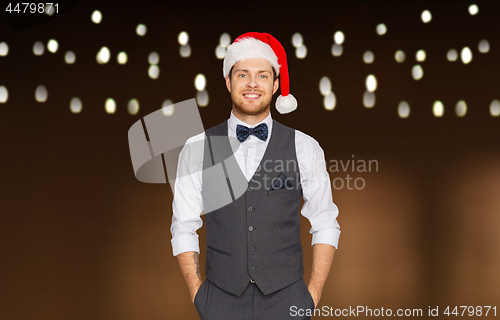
(251, 96)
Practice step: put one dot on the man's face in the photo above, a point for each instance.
(252, 86)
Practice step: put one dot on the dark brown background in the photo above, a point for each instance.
(81, 238)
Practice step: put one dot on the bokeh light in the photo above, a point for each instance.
(133, 107)
(484, 46)
(426, 16)
(473, 9)
(337, 50)
(122, 57)
(49, 9)
(103, 55)
(325, 86)
(417, 72)
(225, 39)
(41, 93)
(183, 38)
(141, 30)
(75, 105)
(38, 48)
(495, 108)
(4, 94)
(339, 37)
(371, 83)
(297, 40)
(368, 57)
(4, 49)
(167, 107)
(70, 57)
(52, 45)
(154, 71)
(220, 52)
(420, 56)
(369, 99)
(200, 82)
(153, 58)
(452, 55)
(381, 29)
(96, 17)
(110, 106)
(466, 55)
(403, 109)
(329, 101)
(438, 109)
(461, 108)
(185, 51)
(301, 52)
(202, 98)
(400, 56)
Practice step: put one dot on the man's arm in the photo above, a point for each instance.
(322, 261)
(186, 207)
(319, 209)
(190, 268)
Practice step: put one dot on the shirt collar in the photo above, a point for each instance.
(233, 122)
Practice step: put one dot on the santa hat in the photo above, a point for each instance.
(256, 45)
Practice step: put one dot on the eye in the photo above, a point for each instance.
(241, 75)
(263, 76)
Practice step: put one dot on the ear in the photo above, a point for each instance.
(228, 83)
(276, 85)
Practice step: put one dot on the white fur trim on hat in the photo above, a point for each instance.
(286, 104)
(249, 48)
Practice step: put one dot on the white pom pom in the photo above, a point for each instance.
(286, 104)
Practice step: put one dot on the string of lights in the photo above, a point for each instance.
(103, 56)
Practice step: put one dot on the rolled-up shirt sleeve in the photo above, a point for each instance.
(187, 205)
(318, 207)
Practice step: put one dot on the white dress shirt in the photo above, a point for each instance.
(318, 206)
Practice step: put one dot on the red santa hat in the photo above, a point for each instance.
(256, 45)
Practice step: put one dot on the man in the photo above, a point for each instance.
(249, 175)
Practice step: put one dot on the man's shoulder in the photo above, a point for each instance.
(196, 138)
(305, 137)
(194, 145)
(201, 136)
(306, 143)
(303, 142)
(217, 129)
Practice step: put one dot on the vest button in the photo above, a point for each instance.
(252, 267)
(252, 280)
(250, 209)
(252, 248)
(249, 188)
(250, 228)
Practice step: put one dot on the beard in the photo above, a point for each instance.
(251, 108)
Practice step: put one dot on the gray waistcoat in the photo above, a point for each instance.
(252, 232)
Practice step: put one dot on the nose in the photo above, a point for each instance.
(252, 82)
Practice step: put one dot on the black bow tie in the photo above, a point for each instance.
(259, 131)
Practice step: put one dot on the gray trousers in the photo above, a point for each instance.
(213, 303)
